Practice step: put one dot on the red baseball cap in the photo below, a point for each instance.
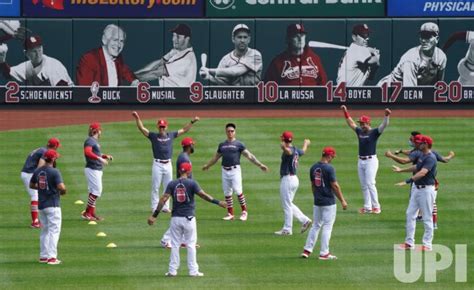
(51, 155)
(287, 136)
(32, 42)
(418, 139)
(54, 143)
(427, 139)
(329, 151)
(95, 126)
(364, 119)
(361, 29)
(185, 167)
(188, 141)
(162, 123)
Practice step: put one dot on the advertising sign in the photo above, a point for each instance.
(295, 8)
(430, 8)
(9, 8)
(113, 8)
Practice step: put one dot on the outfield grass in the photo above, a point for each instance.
(233, 255)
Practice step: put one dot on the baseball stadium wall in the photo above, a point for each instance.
(444, 79)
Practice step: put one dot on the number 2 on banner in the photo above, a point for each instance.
(12, 89)
(339, 92)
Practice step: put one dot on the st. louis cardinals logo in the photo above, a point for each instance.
(94, 98)
(318, 181)
(309, 70)
(222, 4)
(180, 193)
(53, 4)
(295, 160)
(42, 180)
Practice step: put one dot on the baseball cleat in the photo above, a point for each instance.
(406, 246)
(98, 218)
(243, 216)
(35, 225)
(183, 245)
(169, 274)
(306, 226)
(425, 249)
(228, 217)
(376, 210)
(328, 256)
(165, 245)
(87, 216)
(166, 210)
(197, 274)
(283, 233)
(305, 254)
(53, 261)
(43, 260)
(364, 210)
(435, 226)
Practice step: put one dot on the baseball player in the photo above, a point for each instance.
(422, 195)
(48, 181)
(178, 67)
(359, 62)
(38, 70)
(162, 146)
(240, 67)
(289, 184)
(298, 64)
(368, 163)
(95, 162)
(35, 160)
(230, 151)
(466, 64)
(421, 65)
(183, 218)
(324, 186)
(188, 149)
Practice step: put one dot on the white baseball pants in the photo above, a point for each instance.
(26, 177)
(323, 218)
(94, 181)
(367, 172)
(288, 187)
(232, 180)
(182, 227)
(161, 174)
(421, 198)
(50, 218)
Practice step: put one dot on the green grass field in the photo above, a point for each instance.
(233, 255)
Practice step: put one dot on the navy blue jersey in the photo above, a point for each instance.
(31, 162)
(415, 154)
(183, 158)
(231, 152)
(367, 141)
(93, 163)
(182, 191)
(321, 175)
(47, 179)
(162, 145)
(289, 163)
(427, 161)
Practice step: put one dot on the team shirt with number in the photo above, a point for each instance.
(289, 163)
(231, 151)
(162, 145)
(321, 175)
(47, 179)
(183, 191)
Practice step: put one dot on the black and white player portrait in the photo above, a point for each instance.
(466, 64)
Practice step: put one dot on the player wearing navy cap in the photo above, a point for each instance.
(368, 163)
(422, 195)
(230, 151)
(95, 162)
(49, 183)
(325, 188)
(162, 146)
(183, 218)
(289, 184)
(35, 160)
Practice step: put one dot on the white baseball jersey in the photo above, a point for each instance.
(466, 64)
(181, 68)
(252, 60)
(353, 68)
(50, 72)
(416, 69)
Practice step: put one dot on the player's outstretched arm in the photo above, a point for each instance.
(306, 144)
(188, 126)
(398, 159)
(212, 161)
(254, 160)
(140, 126)
(400, 170)
(337, 189)
(161, 203)
(420, 174)
(202, 194)
(385, 120)
(450, 156)
(349, 120)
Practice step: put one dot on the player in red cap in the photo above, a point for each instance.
(289, 184)
(368, 164)
(325, 188)
(95, 162)
(183, 218)
(162, 146)
(48, 181)
(35, 160)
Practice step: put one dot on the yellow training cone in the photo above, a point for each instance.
(79, 202)
(111, 245)
(92, 223)
(101, 234)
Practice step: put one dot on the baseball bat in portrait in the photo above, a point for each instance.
(203, 59)
(321, 44)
